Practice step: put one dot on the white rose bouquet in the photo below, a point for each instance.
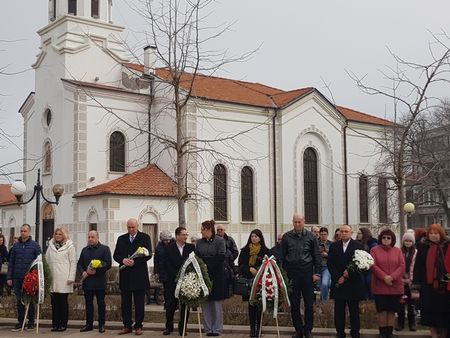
(361, 261)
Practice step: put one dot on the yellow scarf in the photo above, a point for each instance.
(254, 251)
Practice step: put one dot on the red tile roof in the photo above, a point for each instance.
(149, 181)
(255, 94)
(6, 196)
(354, 115)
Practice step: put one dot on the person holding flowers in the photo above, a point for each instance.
(176, 254)
(211, 249)
(132, 252)
(387, 283)
(62, 262)
(431, 278)
(21, 255)
(250, 259)
(95, 260)
(347, 287)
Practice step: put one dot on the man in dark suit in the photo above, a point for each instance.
(350, 289)
(133, 279)
(176, 253)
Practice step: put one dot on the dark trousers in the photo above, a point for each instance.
(302, 286)
(89, 299)
(138, 296)
(17, 284)
(254, 316)
(339, 317)
(171, 303)
(60, 309)
(411, 310)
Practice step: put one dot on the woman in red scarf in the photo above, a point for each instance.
(429, 277)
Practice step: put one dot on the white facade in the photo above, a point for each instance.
(81, 59)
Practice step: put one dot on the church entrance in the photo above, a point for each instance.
(48, 224)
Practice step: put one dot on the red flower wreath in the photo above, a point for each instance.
(31, 284)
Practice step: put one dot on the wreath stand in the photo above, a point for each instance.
(26, 315)
(185, 322)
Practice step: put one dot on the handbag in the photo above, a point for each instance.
(242, 286)
(4, 268)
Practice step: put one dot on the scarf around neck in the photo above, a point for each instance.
(435, 265)
(254, 251)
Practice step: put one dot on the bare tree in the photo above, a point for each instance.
(410, 88)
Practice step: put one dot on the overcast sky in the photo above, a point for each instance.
(303, 43)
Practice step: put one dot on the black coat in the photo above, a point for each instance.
(3, 255)
(212, 252)
(159, 261)
(338, 261)
(133, 277)
(101, 252)
(174, 260)
(244, 266)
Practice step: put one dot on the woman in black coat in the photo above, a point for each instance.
(250, 260)
(3, 259)
(211, 249)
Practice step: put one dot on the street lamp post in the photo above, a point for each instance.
(18, 188)
(409, 209)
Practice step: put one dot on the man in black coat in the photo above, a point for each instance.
(301, 258)
(94, 281)
(133, 278)
(176, 253)
(351, 289)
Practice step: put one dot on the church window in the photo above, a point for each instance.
(95, 8)
(117, 152)
(220, 193)
(48, 117)
(53, 8)
(47, 157)
(363, 199)
(73, 7)
(382, 200)
(247, 194)
(310, 182)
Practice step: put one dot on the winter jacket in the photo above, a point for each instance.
(212, 251)
(3, 255)
(389, 261)
(300, 252)
(100, 252)
(159, 261)
(63, 266)
(21, 255)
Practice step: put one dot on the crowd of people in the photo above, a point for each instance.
(406, 277)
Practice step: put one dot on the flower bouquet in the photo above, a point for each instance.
(93, 265)
(140, 252)
(34, 287)
(361, 261)
(270, 290)
(193, 285)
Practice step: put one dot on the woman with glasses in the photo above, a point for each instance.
(430, 277)
(387, 283)
(211, 248)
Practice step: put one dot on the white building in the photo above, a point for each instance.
(274, 152)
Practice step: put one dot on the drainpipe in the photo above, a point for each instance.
(274, 150)
(345, 172)
(149, 73)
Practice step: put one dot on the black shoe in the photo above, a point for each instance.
(166, 332)
(87, 328)
(30, 326)
(54, 329)
(308, 334)
(62, 328)
(17, 327)
(297, 335)
(210, 334)
(101, 328)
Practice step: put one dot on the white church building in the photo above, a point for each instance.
(92, 126)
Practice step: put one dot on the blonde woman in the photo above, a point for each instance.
(62, 260)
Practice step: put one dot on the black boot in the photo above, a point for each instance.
(400, 321)
(412, 321)
(389, 332)
(258, 322)
(252, 319)
(382, 331)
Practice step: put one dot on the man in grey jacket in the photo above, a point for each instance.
(301, 259)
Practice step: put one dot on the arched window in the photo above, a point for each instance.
(220, 193)
(72, 7)
(117, 152)
(95, 8)
(382, 200)
(247, 194)
(47, 157)
(310, 182)
(363, 199)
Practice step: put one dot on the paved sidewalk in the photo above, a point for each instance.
(155, 330)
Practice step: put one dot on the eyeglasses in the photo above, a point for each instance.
(386, 237)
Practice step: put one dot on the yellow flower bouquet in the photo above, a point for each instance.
(140, 252)
(93, 265)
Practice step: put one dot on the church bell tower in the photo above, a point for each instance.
(95, 9)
